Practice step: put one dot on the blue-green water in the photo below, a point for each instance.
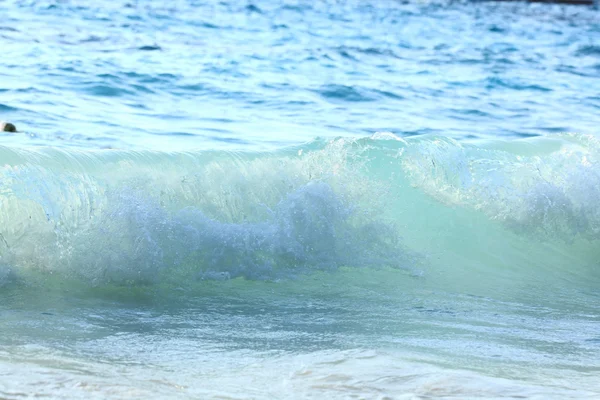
(299, 200)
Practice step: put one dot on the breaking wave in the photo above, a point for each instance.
(118, 217)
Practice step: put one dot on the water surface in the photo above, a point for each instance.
(276, 199)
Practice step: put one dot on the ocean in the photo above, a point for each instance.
(279, 199)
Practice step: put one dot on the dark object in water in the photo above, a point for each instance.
(7, 127)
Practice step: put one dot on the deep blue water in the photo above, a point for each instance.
(188, 74)
(320, 199)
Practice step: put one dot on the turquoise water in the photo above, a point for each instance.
(299, 200)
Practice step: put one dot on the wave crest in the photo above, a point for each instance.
(143, 218)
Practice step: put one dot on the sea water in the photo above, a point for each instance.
(288, 199)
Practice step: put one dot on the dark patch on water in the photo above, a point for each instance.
(589, 50)
(150, 48)
(576, 70)
(389, 94)
(195, 87)
(5, 108)
(496, 29)
(472, 113)
(111, 77)
(495, 83)
(92, 39)
(163, 78)
(345, 93)
(554, 129)
(419, 132)
(296, 7)
(107, 91)
(299, 103)
(594, 101)
(174, 133)
(143, 89)
(524, 134)
(229, 139)
(347, 55)
(208, 25)
(219, 120)
(251, 8)
(140, 106)
(434, 310)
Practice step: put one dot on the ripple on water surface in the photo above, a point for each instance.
(287, 73)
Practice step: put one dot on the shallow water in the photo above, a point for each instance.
(298, 200)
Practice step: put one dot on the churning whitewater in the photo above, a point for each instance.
(293, 199)
(456, 268)
(129, 218)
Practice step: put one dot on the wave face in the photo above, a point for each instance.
(147, 217)
(429, 206)
(465, 270)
